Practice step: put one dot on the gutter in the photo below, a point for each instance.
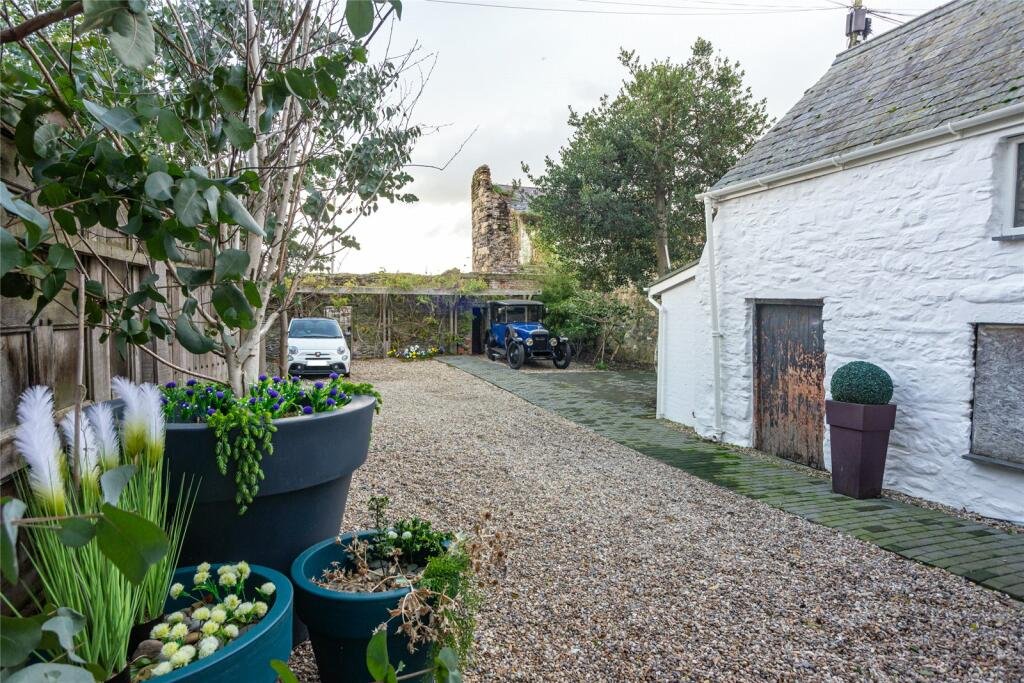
(659, 401)
(952, 130)
(716, 332)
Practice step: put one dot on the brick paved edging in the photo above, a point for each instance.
(619, 406)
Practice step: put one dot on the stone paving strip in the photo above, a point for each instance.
(625, 568)
(988, 556)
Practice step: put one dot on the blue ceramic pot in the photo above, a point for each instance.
(341, 623)
(247, 657)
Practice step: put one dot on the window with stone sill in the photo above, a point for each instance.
(1015, 179)
(997, 432)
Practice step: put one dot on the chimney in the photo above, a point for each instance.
(858, 24)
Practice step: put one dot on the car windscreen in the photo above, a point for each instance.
(524, 314)
(309, 329)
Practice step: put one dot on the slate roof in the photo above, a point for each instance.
(519, 197)
(957, 61)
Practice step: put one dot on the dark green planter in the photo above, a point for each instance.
(340, 624)
(247, 657)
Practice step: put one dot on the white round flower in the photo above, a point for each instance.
(162, 669)
(210, 628)
(207, 646)
(176, 590)
(243, 609)
(200, 578)
(175, 618)
(225, 568)
(406, 535)
(160, 631)
(183, 656)
(268, 588)
(243, 569)
(219, 615)
(201, 614)
(179, 631)
(169, 649)
(392, 535)
(204, 567)
(228, 579)
(231, 602)
(231, 631)
(260, 609)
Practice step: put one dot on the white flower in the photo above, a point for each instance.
(179, 631)
(243, 569)
(218, 615)
(162, 669)
(243, 609)
(169, 649)
(224, 569)
(175, 618)
(207, 646)
(88, 459)
(231, 631)
(210, 627)
(201, 614)
(200, 578)
(228, 579)
(392, 534)
(176, 590)
(149, 394)
(133, 418)
(37, 440)
(160, 631)
(108, 448)
(183, 656)
(406, 535)
(231, 602)
(260, 609)
(203, 567)
(268, 588)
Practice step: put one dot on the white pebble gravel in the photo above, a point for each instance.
(623, 568)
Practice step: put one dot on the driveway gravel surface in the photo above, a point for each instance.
(623, 568)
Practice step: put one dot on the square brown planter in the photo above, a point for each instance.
(860, 438)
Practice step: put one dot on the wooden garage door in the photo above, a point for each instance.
(789, 380)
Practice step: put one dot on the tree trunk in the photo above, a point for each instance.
(661, 229)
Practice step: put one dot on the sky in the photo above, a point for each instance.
(505, 78)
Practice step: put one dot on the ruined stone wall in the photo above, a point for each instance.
(495, 238)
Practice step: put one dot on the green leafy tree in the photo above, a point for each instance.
(618, 204)
(230, 143)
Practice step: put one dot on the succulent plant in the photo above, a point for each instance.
(861, 382)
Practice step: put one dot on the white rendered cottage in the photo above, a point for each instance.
(881, 219)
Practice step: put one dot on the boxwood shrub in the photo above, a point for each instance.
(861, 382)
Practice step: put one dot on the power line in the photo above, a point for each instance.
(721, 13)
(718, 4)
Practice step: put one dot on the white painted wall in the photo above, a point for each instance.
(900, 251)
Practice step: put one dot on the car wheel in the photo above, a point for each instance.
(516, 355)
(563, 356)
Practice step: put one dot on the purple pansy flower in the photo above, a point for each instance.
(171, 385)
(189, 392)
(308, 410)
(191, 382)
(334, 391)
(276, 380)
(318, 385)
(329, 402)
(334, 375)
(272, 393)
(263, 378)
(219, 394)
(252, 401)
(210, 411)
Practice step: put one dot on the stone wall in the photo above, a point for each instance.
(901, 253)
(495, 238)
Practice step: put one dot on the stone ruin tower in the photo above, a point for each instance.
(499, 237)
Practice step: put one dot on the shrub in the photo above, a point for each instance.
(861, 382)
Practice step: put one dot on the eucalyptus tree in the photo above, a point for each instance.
(232, 142)
(618, 203)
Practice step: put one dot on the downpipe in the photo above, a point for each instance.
(716, 332)
(659, 409)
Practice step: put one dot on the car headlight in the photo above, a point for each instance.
(293, 350)
(553, 342)
(529, 342)
(343, 352)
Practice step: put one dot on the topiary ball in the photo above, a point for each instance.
(861, 382)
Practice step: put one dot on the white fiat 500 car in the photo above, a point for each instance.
(317, 346)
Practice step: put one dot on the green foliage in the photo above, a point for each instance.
(451, 574)
(622, 190)
(861, 382)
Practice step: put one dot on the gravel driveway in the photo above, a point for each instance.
(623, 568)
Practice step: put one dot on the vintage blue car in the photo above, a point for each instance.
(515, 330)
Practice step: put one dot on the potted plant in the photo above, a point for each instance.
(860, 417)
(274, 464)
(353, 588)
(233, 621)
